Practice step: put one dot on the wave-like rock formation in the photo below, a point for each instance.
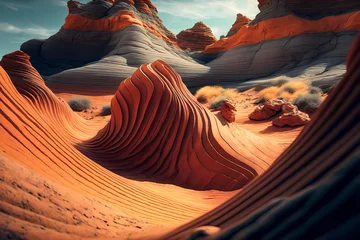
(114, 38)
(50, 189)
(196, 38)
(57, 189)
(158, 129)
(240, 21)
(303, 194)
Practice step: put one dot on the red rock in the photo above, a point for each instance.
(292, 119)
(288, 107)
(260, 113)
(228, 110)
(267, 110)
(275, 105)
(241, 20)
(196, 38)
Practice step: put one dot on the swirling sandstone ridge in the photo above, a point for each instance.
(158, 129)
(49, 146)
(315, 179)
(114, 38)
(196, 38)
(59, 192)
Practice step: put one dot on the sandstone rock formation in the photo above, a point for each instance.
(241, 20)
(267, 110)
(53, 189)
(114, 38)
(291, 116)
(228, 110)
(298, 176)
(196, 38)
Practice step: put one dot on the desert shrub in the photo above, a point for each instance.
(308, 102)
(277, 82)
(105, 110)
(79, 103)
(314, 90)
(206, 93)
(202, 99)
(216, 104)
(269, 93)
(280, 81)
(289, 89)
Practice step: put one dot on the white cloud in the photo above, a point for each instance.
(12, 7)
(205, 9)
(5, 27)
(217, 31)
(35, 31)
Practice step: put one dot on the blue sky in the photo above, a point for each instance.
(21, 20)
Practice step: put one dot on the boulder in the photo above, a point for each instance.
(292, 119)
(267, 110)
(228, 110)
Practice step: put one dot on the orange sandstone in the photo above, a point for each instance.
(290, 26)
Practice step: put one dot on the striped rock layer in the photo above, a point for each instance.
(158, 129)
(58, 191)
(196, 38)
(311, 191)
(114, 38)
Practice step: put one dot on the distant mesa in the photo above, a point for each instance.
(196, 38)
(241, 20)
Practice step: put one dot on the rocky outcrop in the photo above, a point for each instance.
(228, 110)
(267, 110)
(241, 20)
(291, 116)
(177, 131)
(92, 30)
(196, 38)
(314, 177)
(114, 38)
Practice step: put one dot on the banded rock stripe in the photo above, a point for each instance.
(158, 129)
(312, 190)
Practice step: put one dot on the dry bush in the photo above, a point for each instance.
(214, 95)
(276, 82)
(105, 110)
(79, 104)
(288, 91)
(308, 102)
(314, 90)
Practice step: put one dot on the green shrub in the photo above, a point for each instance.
(79, 104)
(308, 102)
(105, 110)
